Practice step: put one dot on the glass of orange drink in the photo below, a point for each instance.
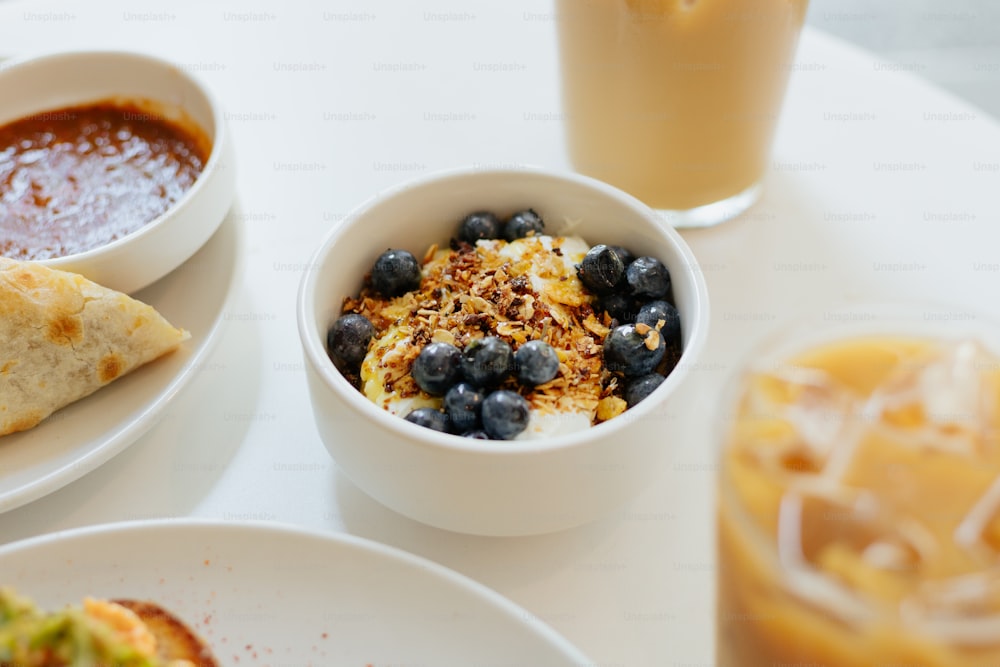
(859, 495)
(677, 101)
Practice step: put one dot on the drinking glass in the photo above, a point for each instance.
(677, 101)
(859, 494)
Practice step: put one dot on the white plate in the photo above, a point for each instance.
(85, 434)
(263, 594)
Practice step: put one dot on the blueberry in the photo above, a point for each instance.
(505, 414)
(437, 368)
(622, 307)
(347, 340)
(395, 272)
(641, 387)
(478, 434)
(429, 418)
(522, 224)
(656, 311)
(624, 254)
(647, 276)
(480, 225)
(601, 270)
(486, 362)
(537, 363)
(462, 403)
(625, 350)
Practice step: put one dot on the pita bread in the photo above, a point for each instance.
(62, 337)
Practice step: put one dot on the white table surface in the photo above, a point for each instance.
(880, 186)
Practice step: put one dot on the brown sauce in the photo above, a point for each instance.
(77, 178)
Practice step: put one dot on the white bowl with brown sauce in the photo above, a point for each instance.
(114, 165)
(482, 486)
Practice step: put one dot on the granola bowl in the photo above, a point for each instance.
(493, 487)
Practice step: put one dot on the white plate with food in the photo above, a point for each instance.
(265, 594)
(81, 436)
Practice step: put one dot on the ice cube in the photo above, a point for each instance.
(845, 541)
(932, 486)
(979, 532)
(945, 398)
(803, 522)
(960, 610)
(814, 516)
(819, 410)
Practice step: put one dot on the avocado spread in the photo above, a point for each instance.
(30, 637)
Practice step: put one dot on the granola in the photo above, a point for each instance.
(523, 290)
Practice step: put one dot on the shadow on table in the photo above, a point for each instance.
(499, 562)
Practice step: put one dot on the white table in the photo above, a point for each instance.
(880, 186)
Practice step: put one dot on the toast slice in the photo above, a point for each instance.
(174, 639)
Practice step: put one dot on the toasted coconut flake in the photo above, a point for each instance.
(652, 339)
(528, 308)
(443, 336)
(591, 324)
(480, 305)
(509, 328)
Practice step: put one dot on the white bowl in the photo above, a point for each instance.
(48, 82)
(477, 486)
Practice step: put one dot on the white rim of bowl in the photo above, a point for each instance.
(334, 381)
(211, 164)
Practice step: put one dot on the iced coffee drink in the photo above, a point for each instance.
(676, 101)
(859, 508)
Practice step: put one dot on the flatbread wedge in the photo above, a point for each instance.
(63, 337)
